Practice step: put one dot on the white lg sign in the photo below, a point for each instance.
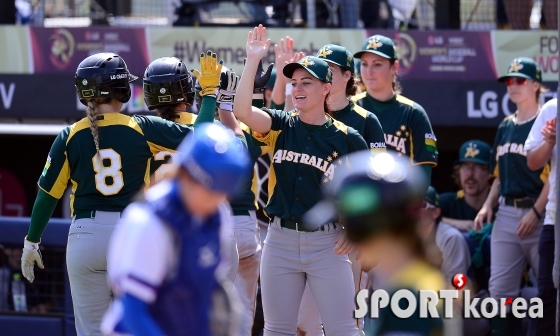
(487, 105)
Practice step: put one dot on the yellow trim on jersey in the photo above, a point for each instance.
(418, 275)
(358, 96)
(460, 194)
(269, 138)
(342, 127)
(360, 110)
(411, 141)
(110, 119)
(73, 196)
(545, 173)
(244, 127)
(496, 172)
(155, 148)
(147, 178)
(186, 118)
(61, 182)
(255, 185)
(76, 127)
(430, 142)
(404, 100)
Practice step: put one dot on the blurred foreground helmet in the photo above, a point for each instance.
(215, 158)
(371, 194)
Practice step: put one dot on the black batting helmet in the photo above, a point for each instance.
(372, 194)
(167, 81)
(103, 75)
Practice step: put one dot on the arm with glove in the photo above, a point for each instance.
(228, 86)
(209, 80)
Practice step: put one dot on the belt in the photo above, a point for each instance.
(521, 203)
(85, 214)
(300, 227)
(241, 213)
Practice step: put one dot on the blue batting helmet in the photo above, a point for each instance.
(215, 158)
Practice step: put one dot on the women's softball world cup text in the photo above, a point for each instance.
(426, 301)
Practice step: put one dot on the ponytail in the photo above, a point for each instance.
(397, 88)
(92, 113)
(168, 112)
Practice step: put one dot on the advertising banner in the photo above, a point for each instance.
(542, 46)
(229, 43)
(15, 53)
(443, 54)
(60, 50)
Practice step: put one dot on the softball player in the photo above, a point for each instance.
(541, 147)
(520, 192)
(406, 125)
(173, 287)
(380, 199)
(106, 156)
(307, 146)
(341, 63)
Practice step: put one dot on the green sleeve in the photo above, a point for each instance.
(242, 139)
(374, 136)
(207, 110)
(427, 172)
(56, 173)
(355, 141)
(275, 106)
(42, 212)
(423, 138)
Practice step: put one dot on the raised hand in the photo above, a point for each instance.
(262, 77)
(209, 74)
(228, 86)
(297, 57)
(283, 52)
(257, 43)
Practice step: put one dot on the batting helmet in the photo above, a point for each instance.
(215, 158)
(103, 75)
(372, 194)
(167, 81)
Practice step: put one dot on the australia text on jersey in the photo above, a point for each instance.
(511, 148)
(327, 165)
(427, 301)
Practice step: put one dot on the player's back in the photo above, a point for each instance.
(109, 179)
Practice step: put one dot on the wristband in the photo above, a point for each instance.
(536, 212)
(226, 106)
(31, 245)
(289, 89)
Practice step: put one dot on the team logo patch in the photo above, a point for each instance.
(162, 90)
(374, 43)
(324, 52)
(307, 62)
(472, 151)
(515, 66)
(84, 82)
(47, 166)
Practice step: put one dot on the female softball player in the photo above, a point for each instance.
(520, 192)
(307, 146)
(406, 125)
(106, 156)
(380, 199)
(174, 287)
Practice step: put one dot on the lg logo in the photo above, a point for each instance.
(489, 104)
(7, 94)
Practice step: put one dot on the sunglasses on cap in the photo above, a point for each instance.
(427, 205)
(517, 80)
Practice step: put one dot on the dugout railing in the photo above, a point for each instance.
(48, 297)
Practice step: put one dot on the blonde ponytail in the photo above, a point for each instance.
(92, 113)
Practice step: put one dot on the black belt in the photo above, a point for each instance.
(300, 227)
(86, 214)
(521, 203)
(241, 213)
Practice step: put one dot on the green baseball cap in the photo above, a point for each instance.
(317, 67)
(523, 67)
(476, 151)
(271, 80)
(338, 55)
(379, 45)
(432, 197)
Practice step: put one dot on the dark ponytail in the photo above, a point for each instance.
(168, 112)
(351, 87)
(396, 84)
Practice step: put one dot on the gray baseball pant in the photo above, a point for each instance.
(291, 258)
(86, 260)
(511, 253)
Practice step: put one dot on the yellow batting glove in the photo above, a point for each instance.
(209, 74)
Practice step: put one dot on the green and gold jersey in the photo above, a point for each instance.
(406, 126)
(109, 179)
(305, 156)
(415, 277)
(160, 166)
(509, 161)
(453, 205)
(246, 199)
(365, 122)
